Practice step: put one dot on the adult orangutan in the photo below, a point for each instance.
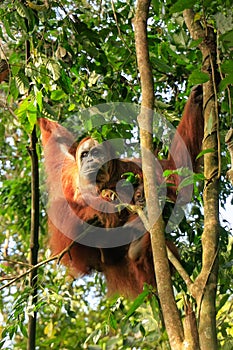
(78, 175)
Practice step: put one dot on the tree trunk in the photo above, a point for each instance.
(206, 282)
(162, 270)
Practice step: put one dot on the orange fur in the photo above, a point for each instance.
(127, 267)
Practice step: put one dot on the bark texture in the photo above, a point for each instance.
(206, 283)
(162, 271)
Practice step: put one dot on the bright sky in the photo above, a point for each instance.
(227, 213)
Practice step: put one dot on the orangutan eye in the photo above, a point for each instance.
(96, 152)
(84, 154)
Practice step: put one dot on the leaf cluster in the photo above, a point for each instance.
(64, 58)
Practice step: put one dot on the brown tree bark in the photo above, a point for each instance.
(35, 214)
(34, 238)
(162, 271)
(206, 283)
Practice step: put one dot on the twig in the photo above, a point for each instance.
(16, 262)
(118, 28)
(35, 267)
(65, 251)
(4, 105)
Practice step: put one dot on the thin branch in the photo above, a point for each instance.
(182, 272)
(57, 257)
(8, 108)
(31, 269)
(15, 262)
(34, 234)
(118, 28)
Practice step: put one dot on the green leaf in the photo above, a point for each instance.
(23, 329)
(198, 177)
(57, 95)
(161, 65)
(142, 330)
(88, 126)
(14, 91)
(223, 301)
(97, 335)
(27, 114)
(48, 111)
(22, 83)
(22, 10)
(190, 180)
(156, 6)
(105, 130)
(54, 68)
(154, 305)
(209, 150)
(39, 100)
(168, 173)
(2, 130)
(65, 82)
(71, 107)
(181, 38)
(228, 80)
(137, 303)
(198, 77)
(7, 28)
(195, 43)
(186, 182)
(97, 120)
(227, 38)
(131, 177)
(32, 114)
(112, 321)
(227, 67)
(183, 171)
(181, 5)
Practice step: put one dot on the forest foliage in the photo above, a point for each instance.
(63, 58)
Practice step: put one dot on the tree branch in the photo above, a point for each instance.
(175, 262)
(206, 282)
(145, 119)
(34, 238)
(33, 268)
